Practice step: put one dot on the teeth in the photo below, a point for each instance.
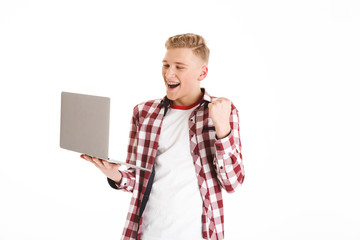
(172, 83)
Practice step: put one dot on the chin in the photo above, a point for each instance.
(170, 96)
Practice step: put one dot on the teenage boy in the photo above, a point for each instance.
(191, 141)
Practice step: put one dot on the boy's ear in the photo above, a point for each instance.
(203, 73)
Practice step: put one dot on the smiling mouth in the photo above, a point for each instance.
(172, 84)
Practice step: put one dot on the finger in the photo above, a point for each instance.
(216, 102)
(108, 165)
(97, 162)
(222, 99)
(86, 157)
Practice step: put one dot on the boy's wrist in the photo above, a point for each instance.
(222, 131)
(117, 179)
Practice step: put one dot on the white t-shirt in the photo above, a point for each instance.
(174, 208)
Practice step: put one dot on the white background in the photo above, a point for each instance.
(290, 67)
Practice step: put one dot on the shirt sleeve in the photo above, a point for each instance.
(127, 182)
(228, 159)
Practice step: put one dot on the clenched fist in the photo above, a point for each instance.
(220, 110)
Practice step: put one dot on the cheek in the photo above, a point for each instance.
(185, 76)
(189, 79)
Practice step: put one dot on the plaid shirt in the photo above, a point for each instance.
(218, 162)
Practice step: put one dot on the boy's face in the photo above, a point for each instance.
(182, 72)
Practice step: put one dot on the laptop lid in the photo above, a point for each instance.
(84, 126)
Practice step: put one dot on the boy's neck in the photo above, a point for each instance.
(190, 101)
(172, 105)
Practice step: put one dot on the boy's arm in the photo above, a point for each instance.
(227, 159)
(127, 181)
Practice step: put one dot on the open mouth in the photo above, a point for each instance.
(173, 85)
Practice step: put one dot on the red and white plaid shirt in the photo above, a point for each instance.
(218, 162)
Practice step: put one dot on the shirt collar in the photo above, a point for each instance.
(206, 96)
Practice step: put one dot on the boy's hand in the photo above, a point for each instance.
(220, 110)
(109, 169)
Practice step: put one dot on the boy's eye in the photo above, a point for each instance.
(177, 67)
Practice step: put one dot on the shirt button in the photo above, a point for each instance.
(221, 167)
(192, 135)
(195, 153)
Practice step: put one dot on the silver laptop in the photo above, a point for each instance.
(84, 127)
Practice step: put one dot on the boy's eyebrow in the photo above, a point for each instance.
(180, 63)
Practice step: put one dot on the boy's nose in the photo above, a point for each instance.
(169, 73)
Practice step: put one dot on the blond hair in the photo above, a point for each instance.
(190, 40)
